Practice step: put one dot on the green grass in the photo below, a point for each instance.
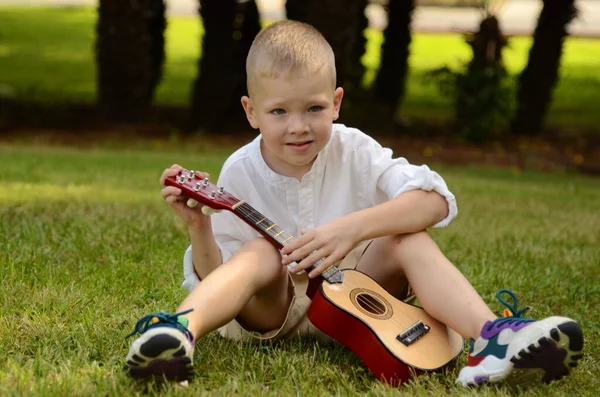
(87, 247)
(47, 53)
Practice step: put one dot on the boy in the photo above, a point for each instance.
(354, 205)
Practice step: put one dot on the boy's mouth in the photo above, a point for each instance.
(299, 146)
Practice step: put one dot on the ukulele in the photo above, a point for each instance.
(395, 340)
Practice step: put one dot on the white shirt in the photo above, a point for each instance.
(351, 173)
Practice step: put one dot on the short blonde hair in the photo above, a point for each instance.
(288, 47)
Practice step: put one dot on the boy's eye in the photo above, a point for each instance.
(316, 108)
(278, 111)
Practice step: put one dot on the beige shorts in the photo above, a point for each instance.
(296, 322)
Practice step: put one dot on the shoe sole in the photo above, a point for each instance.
(160, 356)
(547, 360)
(551, 358)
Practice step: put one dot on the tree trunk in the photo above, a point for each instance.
(249, 26)
(356, 70)
(129, 55)
(157, 23)
(390, 84)
(337, 20)
(229, 28)
(539, 77)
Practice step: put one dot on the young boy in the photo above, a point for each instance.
(353, 204)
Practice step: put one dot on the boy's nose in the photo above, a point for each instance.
(297, 125)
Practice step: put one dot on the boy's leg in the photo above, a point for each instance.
(513, 349)
(440, 287)
(252, 287)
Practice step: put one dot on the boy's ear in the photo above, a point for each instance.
(338, 94)
(250, 111)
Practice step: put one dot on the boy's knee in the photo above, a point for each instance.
(262, 247)
(268, 257)
(404, 247)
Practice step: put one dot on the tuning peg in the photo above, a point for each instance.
(206, 210)
(192, 203)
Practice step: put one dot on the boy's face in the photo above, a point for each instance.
(295, 117)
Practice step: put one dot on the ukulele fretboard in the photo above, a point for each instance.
(279, 236)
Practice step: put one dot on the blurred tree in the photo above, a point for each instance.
(129, 55)
(248, 23)
(390, 83)
(157, 23)
(481, 90)
(539, 77)
(337, 20)
(356, 70)
(483, 99)
(229, 28)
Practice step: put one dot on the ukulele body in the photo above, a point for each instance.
(395, 340)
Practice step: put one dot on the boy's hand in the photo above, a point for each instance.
(191, 216)
(333, 241)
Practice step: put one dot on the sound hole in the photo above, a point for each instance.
(370, 304)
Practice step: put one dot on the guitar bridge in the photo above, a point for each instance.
(413, 333)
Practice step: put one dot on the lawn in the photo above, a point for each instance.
(87, 247)
(47, 54)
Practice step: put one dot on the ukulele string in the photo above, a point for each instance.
(250, 214)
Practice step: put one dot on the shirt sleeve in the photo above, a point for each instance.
(388, 177)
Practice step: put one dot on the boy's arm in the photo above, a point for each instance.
(409, 212)
(205, 252)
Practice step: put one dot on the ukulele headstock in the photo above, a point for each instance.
(202, 190)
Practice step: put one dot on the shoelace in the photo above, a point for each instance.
(513, 314)
(161, 319)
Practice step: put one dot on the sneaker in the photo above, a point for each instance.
(164, 349)
(520, 350)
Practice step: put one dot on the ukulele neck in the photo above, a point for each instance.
(278, 237)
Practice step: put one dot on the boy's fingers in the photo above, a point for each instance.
(201, 174)
(300, 253)
(296, 244)
(322, 267)
(169, 172)
(170, 191)
(310, 260)
(302, 247)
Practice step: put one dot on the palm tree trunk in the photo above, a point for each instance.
(157, 23)
(539, 77)
(229, 28)
(249, 27)
(390, 84)
(129, 55)
(337, 20)
(356, 70)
